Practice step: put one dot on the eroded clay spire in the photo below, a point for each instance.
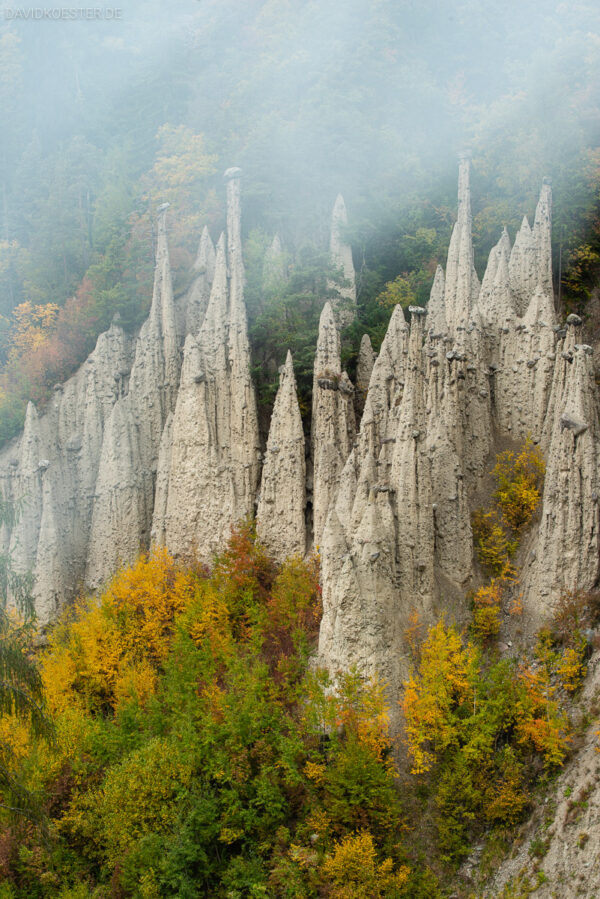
(341, 258)
(364, 369)
(123, 506)
(243, 417)
(235, 261)
(522, 267)
(199, 292)
(495, 298)
(124, 497)
(361, 612)
(568, 547)
(274, 267)
(436, 308)
(410, 475)
(385, 387)
(163, 308)
(214, 453)
(28, 493)
(542, 238)
(218, 305)
(205, 259)
(280, 519)
(333, 423)
(462, 284)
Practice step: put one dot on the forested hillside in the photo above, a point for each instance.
(197, 753)
(104, 121)
(379, 714)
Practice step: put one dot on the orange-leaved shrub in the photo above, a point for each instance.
(540, 721)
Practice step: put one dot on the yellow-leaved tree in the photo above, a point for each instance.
(103, 654)
(354, 871)
(32, 325)
(435, 694)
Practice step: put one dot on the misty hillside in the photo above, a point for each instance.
(300, 450)
(106, 120)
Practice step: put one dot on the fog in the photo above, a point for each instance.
(371, 97)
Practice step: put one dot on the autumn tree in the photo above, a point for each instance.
(475, 729)
(32, 327)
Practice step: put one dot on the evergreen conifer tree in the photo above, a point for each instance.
(21, 692)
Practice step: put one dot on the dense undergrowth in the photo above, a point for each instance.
(481, 730)
(198, 753)
(497, 531)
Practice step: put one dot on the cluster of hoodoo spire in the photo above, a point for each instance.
(157, 440)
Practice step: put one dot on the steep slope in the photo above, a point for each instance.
(564, 827)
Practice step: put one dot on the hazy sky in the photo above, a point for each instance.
(347, 93)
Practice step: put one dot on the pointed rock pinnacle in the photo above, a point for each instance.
(281, 508)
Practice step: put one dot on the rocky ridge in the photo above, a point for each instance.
(157, 440)
(481, 368)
